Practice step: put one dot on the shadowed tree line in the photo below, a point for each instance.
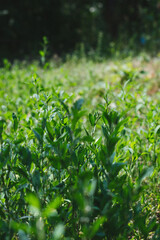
(69, 23)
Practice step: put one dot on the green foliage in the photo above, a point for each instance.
(44, 52)
(72, 169)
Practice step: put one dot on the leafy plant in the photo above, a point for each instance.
(73, 170)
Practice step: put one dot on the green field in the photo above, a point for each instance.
(80, 149)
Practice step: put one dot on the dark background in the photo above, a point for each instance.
(69, 23)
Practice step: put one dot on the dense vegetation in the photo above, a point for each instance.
(67, 24)
(79, 149)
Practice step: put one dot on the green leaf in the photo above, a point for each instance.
(25, 156)
(51, 207)
(15, 121)
(111, 158)
(33, 200)
(1, 127)
(41, 53)
(64, 105)
(36, 179)
(157, 130)
(116, 167)
(21, 171)
(38, 132)
(146, 172)
(43, 123)
(78, 104)
(87, 139)
(105, 131)
(50, 131)
(96, 226)
(91, 119)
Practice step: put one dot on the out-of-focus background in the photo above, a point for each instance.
(129, 24)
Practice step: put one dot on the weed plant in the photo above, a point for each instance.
(79, 151)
